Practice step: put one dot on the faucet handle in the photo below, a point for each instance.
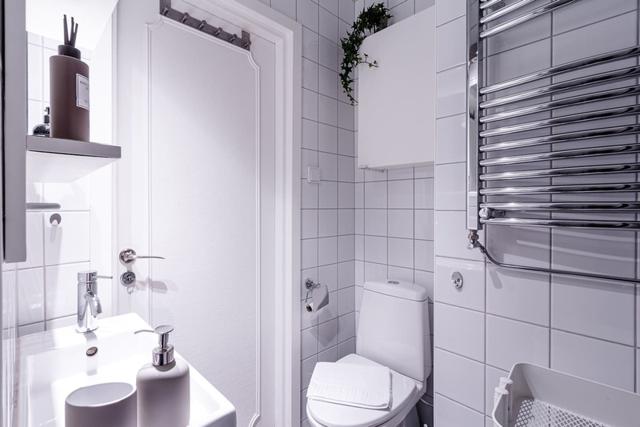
(89, 276)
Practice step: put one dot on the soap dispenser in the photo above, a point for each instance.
(163, 386)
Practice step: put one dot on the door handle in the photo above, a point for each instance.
(129, 256)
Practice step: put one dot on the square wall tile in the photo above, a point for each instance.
(451, 92)
(451, 236)
(460, 331)
(30, 287)
(471, 294)
(451, 182)
(68, 241)
(448, 413)
(451, 44)
(35, 240)
(594, 308)
(451, 139)
(597, 360)
(459, 379)
(447, 10)
(519, 295)
(510, 342)
(61, 289)
(424, 257)
(400, 252)
(400, 194)
(400, 223)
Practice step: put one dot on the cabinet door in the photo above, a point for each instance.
(14, 116)
(396, 99)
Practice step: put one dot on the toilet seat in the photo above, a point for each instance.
(405, 393)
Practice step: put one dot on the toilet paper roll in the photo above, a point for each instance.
(319, 298)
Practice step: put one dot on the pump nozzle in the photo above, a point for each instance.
(163, 354)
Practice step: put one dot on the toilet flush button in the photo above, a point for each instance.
(457, 280)
(393, 282)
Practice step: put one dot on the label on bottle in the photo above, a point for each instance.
(82, 91)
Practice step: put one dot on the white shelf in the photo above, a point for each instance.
(65, 160)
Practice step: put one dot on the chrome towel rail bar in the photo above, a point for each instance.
(586, 139)
(542, 10)
(561, 189)
(568, 171)
(569, 85)
(563, 154)
(562, 137)
(563, 120)
(579, 64)
(562, 103)
(577, 223)
(564, 206)
(504, 10)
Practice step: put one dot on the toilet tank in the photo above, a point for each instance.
(393, 327)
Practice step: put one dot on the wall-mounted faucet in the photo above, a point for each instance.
(89, 306)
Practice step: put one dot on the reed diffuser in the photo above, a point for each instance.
(69, 89)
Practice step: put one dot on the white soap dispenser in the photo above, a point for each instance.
(163, 386)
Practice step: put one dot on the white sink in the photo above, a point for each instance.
(55, 363)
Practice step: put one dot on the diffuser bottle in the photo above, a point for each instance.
(69, 95)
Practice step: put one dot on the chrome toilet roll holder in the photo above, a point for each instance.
(310, 285)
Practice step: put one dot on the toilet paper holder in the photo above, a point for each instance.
(317, 301)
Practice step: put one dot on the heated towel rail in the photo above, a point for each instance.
(538, 153)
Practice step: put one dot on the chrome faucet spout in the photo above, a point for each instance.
(89, 305)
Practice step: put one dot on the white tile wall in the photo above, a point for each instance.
(328, 214)
(585, 327)
(46, 282)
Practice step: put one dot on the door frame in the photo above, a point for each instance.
(286, 35)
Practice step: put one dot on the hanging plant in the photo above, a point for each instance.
(371, 20)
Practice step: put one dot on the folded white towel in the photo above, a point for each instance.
(352, 385)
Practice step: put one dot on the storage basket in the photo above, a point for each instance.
(534, 396)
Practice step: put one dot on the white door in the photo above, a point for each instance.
(196, 121)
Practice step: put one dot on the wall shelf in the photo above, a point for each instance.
(64, 160)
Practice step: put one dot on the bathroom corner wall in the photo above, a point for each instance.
(328, 214)
(45, 285)
(500, 317)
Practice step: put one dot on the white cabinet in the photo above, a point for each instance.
(396, 100)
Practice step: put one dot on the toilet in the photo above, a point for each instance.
(393, 331)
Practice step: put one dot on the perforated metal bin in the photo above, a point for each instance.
(534, 396)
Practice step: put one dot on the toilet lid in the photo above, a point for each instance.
(335, 415)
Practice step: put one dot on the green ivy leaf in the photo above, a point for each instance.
(371, 20)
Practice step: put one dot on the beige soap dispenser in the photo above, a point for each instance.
(163, 386)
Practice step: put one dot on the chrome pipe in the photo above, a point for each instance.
(564, 206)
(562, 103)
(563, 154)
(561, 189)
(550, 7)
(568, 171)
(564, 223)
(485, 4)
(563, 120)
(562, 137)
(569, 85)
(474, 77)
(504, 11)
(604, 58)
(474, 242)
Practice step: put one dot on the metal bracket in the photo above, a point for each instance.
(243, 41)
